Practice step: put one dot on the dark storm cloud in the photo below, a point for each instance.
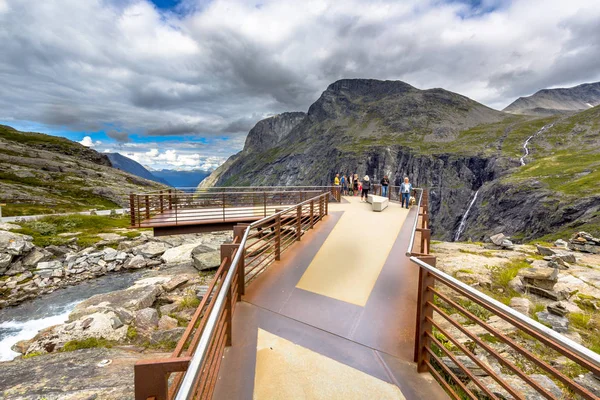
(120, 137)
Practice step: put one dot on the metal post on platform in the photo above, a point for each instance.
(160, 194)
(132, 208)
(170, 201)
(278, 237)
(326, 204)
(147, 207)
(299, 223)
(227, 251)
(312, 213)
(424, 314)
(265, 202)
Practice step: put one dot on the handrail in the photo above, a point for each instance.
(411, 241)
(191, 376)
(575, 347)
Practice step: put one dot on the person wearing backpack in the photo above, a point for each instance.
(405, 191)
(366, 185)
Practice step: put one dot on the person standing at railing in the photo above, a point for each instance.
(336, 185)
(405, 191)
(366, 185)
(351, 184)
(344, 182)
(356, 185)
(384, 186)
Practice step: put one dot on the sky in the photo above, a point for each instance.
(179, 83)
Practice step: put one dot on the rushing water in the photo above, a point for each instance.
(531, 137)
(463, 221)
(23, 321)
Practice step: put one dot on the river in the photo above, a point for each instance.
(23, 321)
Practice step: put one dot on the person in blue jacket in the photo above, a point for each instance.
(405, 191)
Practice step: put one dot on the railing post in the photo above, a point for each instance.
(327, 205)
(132, 208)
(170, 201)
(227, 251)
(265, 202)
(278, 237)
(223, 203)
(151, 377)
(239, 231)
(147, 203)
(139, 216)
(423, 326)
(160, 196)
(320, 208)
(299, 223)
(312, 212)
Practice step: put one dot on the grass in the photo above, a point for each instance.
(190, 301)
(502, 275)
(579, 320)
(88, 343)
(132, 333)
(181, 322)
(45, 231)
(478, 253)
(537, 307)
(31, 355)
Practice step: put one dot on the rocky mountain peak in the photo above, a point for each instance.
(270, 131)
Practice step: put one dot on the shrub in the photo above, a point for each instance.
(43, 228)
(88, 343)
(131, 333)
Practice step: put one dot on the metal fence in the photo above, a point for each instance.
(192, 369)
(448, 311)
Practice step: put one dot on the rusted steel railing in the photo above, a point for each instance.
(195, 362)
(445, 343)
(173, 207)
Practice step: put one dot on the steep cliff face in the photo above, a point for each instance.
(270, 131)
(441, 140)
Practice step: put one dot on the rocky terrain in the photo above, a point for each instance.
(139, 321)
(556, 284)
(442, 141)
(42, 174)
(554, 101)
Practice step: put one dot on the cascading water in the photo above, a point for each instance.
(463, 221)
(531, 137)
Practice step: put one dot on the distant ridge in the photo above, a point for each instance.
(556, 101)
(126, 164)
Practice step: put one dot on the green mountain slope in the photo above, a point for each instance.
(46, 174)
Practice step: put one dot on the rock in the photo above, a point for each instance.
(69, 234)
(206, 260)
(561, 243)
(565, 257)
(517, 285)
(5, 260)
(549, 294)
(589, 381)
(180, 255)
(111, 237)
(57, 251)
(170, 336)
(34, 257)
(544, 278)
(109, 254)
(15, 243)
(165, 323)
(169, 309)
(201, 291)
(21, 346)
(8, 227)
(49, 265)
(57, 273)
(515, 382)
(121, 256)
(136, 262)
(467, 363)
(559, 324)
(134, 298)
(557, 308)
(146, 319)
(558, 264)
(501, 325)
(116, 322)
(174, 283)
(507, 244)
(150, 249)
(545, 251)
(497, 239)
(520, 304)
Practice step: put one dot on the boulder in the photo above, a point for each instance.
(15, 243)
(497, 239)
(561, 244)
(136, 262)
(134, 298)
(165, 323)
(58, 251)
(34, 257)
(150, 249)
(468, 363)
(206, 260)
(49, 265)
(111, 237)
(175, 282)
(167, 337)
(544, 278)
(520, 304)
(549, 294)
(169, 308)
(589, 381)
(180, 255)
(545, 251)
(507, 244)
(146, 319)
(559, 324)
(8, 227)
(565, 257)
(557, 308)
(109, 254)
(5, 260)
(515, 382)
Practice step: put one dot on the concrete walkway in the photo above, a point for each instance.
(334, 319)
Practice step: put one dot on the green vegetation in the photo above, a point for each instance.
(88, 343)
(478, 253)
(45, 231)
(31, 355)
(132, 333)
(181, 322)
(190, 301)
(501, 276)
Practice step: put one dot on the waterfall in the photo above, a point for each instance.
(531, 137)
(463, 221)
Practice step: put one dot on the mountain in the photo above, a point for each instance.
(553, 101)
(181, 179)
(42, 174)
(133, 167)
(446, 142)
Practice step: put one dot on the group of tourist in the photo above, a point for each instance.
(351, 185)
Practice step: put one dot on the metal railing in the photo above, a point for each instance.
(445, 343)
(196, 359)
(173, 207)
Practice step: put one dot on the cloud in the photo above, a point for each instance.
(88, 142)
(213, 69)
